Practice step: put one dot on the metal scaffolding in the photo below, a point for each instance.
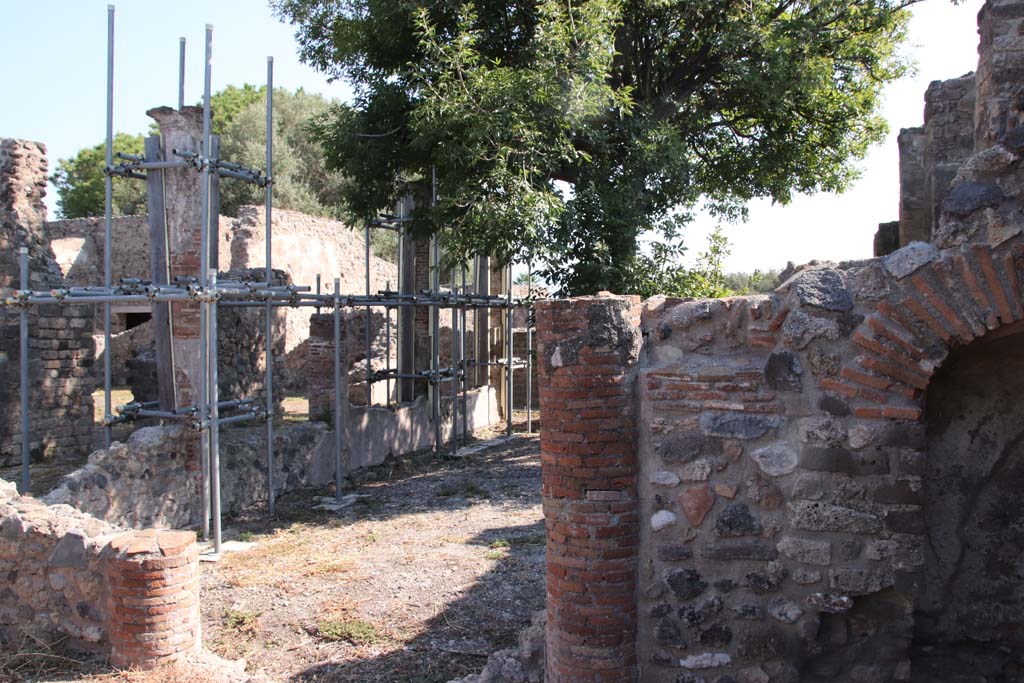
(208, 411)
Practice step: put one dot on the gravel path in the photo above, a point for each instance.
(436, 565)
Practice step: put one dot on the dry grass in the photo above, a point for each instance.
(118, 397)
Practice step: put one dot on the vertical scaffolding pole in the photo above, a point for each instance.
(435, 345)
(338, 423)
(204, 261)
(509, 365)
(181, 73)
(268, 208)
(455, 366)
(529, 347)
(463, 377)
(369, 323)
(23, 363)
(214, 394)
(435, 327)
(387, 351)
(108, 209)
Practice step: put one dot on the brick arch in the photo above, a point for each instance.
(941, 306)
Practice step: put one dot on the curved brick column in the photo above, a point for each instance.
(588, 349)
(153, 606)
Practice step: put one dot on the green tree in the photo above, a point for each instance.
(661, 270)
(301, 179)
(569, 130)
(80, 182)
(226, 104)
(758, 282)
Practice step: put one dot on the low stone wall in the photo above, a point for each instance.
(75, 579)
(51, 559)
(153, 479)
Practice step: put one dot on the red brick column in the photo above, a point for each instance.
(588, 349)
(153, 605)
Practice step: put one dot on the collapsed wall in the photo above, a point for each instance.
(60, 344)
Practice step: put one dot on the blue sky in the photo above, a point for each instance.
(54, 77)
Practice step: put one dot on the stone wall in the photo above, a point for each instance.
(304, 247)
(61, 351)
(999, 106)
(931, 155)
(75, 580)
(377, 432)
(153, 478)
(782, 456)
(51, 558)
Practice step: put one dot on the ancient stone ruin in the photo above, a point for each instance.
(391, 357)
(820, 484)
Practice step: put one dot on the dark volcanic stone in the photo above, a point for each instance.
(667, 632)
(740, 550)
(686, 584)
(823, 288)
(695, 615)
(737, 520)
(834, 406)
(674, 553)
(783, 371)
(717, 635)
(966, 198)
(739, 425)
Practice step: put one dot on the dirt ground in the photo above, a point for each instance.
(432, 566)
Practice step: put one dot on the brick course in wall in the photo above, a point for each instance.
(61, 351)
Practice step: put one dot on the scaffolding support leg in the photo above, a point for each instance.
(214, 416)
(268, 208)
(508, 364)
(529, 348)
(23, 363)
(108, 202)
(204, 313)
(455, 361)
(338, 418)
(369, 324)
(435, 348)
(463, 366)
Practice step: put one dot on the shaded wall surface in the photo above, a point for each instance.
(61, 352)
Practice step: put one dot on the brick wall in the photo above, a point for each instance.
(588, 449)
(61, 352)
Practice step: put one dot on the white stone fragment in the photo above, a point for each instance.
(775, 461)
(785, 611)
(662, 519)
(556, 357)
(705, 660)
(664, 478)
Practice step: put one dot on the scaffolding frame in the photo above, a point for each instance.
(204, 288)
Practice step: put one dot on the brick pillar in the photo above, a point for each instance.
(319, 366)
(587, 351)
(153, 604)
